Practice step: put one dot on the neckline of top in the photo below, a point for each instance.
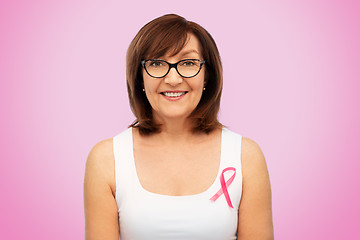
(197, 195)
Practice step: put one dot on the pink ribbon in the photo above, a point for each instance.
(224, 186)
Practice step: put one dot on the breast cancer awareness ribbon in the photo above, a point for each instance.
(224, 186)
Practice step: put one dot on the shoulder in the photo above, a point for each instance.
(256, 180)
(251, 153)
(100, 163)
(252, 158)
(254, 167)
(101, 151)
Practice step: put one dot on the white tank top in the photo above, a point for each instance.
(144, 215)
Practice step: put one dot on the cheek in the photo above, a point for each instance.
(198, 83)
(149, 85)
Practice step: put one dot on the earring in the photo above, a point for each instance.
(143, 89)
(204, 89)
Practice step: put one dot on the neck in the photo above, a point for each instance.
(176, 131)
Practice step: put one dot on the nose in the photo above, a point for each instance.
(173, 78)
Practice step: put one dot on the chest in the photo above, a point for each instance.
(185, 170)
(188, 176)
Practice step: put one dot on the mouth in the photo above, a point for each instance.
(174, 94)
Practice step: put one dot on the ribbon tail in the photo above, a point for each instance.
(226, 193)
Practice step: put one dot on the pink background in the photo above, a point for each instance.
(291, 83)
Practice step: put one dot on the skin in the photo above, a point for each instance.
(197, 155)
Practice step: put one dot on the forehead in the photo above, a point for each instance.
(192, 44)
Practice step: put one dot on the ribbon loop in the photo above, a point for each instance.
(224, 186)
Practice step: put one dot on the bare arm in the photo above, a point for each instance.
(101, 216)
(255, 212)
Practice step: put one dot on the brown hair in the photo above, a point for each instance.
(155, 39)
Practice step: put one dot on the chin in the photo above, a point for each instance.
(173, 115)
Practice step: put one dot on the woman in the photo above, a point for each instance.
(176, 173)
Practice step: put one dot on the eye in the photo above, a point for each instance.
(188, 63)
(155, 63)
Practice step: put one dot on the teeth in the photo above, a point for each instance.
(173, 94)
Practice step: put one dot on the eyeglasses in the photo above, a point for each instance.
(186, 68)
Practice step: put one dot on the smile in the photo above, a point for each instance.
(173, 94)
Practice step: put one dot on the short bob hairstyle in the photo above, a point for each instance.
(168, 34)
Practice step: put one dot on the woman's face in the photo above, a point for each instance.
(163, 93)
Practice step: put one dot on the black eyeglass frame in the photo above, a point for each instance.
(172, 65)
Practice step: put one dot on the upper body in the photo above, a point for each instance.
(169, 154)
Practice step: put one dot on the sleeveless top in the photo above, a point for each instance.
(210, 215)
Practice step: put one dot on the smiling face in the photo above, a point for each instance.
(174, 96)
